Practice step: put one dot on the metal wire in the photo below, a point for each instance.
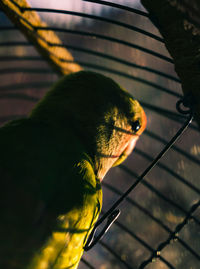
(172, 236)
(99, 54)
(158, 193)
(147, 213)
(143, 243)
(170, 171)
(98, 18)
(175, 148)
(167, 114)
(91, 241)
(105, 69)
(155, 253)
(104, 37)
(130, 9)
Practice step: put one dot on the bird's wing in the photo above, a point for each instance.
(50, 197)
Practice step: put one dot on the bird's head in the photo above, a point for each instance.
(105, 117)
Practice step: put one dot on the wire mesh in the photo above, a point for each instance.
(160, 222)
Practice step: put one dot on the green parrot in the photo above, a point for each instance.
(52, 164)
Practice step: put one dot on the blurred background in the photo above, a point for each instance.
(125, 46)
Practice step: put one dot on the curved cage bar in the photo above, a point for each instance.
(160, 220)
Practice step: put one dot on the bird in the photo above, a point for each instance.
(52, 164)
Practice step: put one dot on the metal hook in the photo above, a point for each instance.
(91, 240)
(187, 101)
(112, 214)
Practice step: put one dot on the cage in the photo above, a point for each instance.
(159, 226)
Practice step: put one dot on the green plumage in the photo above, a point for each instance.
(44, 177)
(51, 165)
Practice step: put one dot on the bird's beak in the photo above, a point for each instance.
(127, 151)
(131, 145)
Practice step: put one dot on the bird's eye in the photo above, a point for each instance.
(136, 126)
